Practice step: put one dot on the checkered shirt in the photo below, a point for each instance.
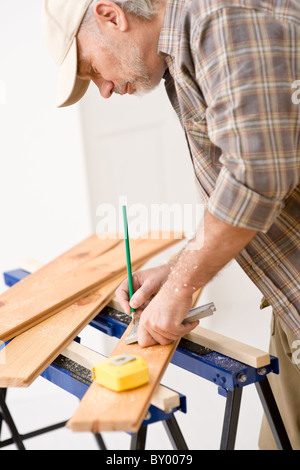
(232, 74)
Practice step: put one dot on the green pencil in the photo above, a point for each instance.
(128, 260)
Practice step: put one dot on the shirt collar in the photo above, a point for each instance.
(169, 32)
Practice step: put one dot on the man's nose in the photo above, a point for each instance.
(105, 87)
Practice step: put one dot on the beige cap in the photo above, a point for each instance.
(60, 23)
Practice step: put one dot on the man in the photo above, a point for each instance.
(228, 67)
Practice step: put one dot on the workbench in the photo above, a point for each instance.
(229, 375)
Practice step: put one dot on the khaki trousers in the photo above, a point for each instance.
(285, 386)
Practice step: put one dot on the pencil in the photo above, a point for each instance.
(128, 260)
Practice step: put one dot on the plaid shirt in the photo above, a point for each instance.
(231, 68)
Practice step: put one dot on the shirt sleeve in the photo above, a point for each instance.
(245, 66)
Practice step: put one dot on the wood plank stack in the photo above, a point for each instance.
(44, 312)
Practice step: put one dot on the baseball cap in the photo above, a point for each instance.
(61, 20)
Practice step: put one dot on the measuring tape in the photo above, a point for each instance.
(122, 372)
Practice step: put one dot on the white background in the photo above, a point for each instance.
(57, 167)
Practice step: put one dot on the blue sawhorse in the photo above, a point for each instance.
(76, 380)
(229, 375)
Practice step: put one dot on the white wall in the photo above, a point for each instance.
(44, 207)
(56, 168)
(43, 186)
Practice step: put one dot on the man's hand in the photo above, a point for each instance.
(164, 295)
(146, 284)
(161, 321)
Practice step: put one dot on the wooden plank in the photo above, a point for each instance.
(32, 265)
(224, 345)
(229, 347)
(163, 398)
(102, 409)
(82, 355)
(86, 250)
(36, 298)
(29, 353)
(21, 297)
(41, 275)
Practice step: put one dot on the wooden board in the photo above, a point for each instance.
(39, 296)
(29, 353)
(84, 251)
(163, 398)
(102, 409)
(229, 347)
(19, 298)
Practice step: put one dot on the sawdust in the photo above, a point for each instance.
(224, 362)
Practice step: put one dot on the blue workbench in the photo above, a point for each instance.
(229, 375)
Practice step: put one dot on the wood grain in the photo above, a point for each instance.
(54, 287)
(102, 409)
(163, 398)
(27, 295)
(229, 347)
(105, 410)
(30, 352)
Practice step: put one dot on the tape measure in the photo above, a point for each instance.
(121, 372)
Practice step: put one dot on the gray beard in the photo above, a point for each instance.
(131, 60)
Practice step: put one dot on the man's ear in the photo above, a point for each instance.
(110, 15)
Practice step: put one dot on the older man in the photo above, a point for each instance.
(228, 68)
